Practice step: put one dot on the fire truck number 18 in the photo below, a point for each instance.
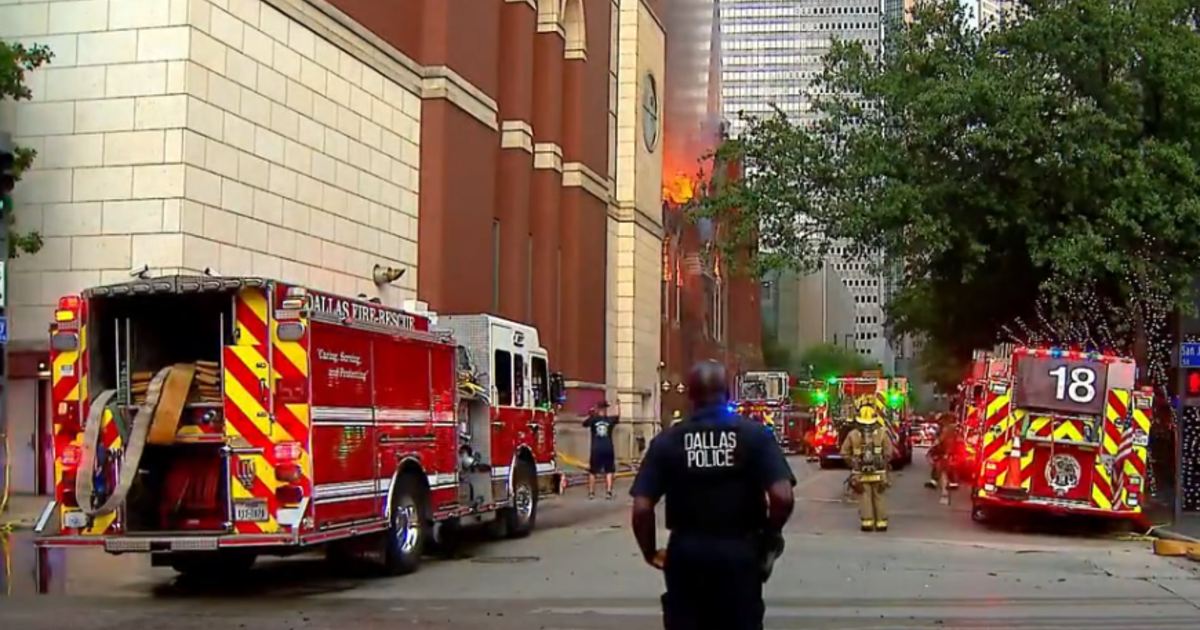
(1081, 388)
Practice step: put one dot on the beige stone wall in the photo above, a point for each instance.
(635, 348)
(222, 134)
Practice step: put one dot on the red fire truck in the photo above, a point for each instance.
(763, 396)
(1064, 431)
(210, 420)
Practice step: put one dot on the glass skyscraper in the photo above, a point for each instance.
(772, 52)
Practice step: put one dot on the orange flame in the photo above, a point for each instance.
(679, 189)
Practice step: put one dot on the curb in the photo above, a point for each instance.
(1167, 534)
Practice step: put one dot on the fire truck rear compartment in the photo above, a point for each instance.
(144, 333)
(180, 487)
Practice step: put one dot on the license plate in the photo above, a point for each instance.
(1141, 439)
(250, 511)
(75, 520)
(870, 478)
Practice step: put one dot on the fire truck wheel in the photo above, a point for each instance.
(521, 518)
(825, 464)
(979, 514)
(212, 565)
(409, 527)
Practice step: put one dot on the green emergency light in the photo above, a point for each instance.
(819, 397)
(832, 380)
(894, 399)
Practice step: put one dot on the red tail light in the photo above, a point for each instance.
(288, 452)
(990, 470)
(65, 492)
(287, 473)
(71, 456)
(1133, 491)
(289, 495)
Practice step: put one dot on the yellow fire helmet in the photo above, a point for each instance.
(867, 414)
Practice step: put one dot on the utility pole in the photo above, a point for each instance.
(7, 181)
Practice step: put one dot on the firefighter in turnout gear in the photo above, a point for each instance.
(868, 449)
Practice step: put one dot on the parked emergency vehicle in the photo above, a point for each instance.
(1064, 431)
(764, 397)
(807, 400)
(209, 420)
(845, 395)
(972, 404)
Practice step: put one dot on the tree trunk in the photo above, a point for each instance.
(1141, 343)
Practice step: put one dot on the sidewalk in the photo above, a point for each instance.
(1187, 529)
(575, 471)
(22, 511)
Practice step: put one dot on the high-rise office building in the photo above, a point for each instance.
(772, 53)
(772, 50)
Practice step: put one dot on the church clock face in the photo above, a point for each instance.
(650, 112)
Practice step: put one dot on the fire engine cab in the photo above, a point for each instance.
(1064, 431)
(210, 420)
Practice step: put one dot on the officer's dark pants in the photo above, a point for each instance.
(712, 584)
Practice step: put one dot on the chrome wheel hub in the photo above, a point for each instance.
(523, 501)
(408, 528)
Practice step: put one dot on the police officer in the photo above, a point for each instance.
(728, 492)
(868, 448)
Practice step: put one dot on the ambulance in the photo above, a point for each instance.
(1064, 431)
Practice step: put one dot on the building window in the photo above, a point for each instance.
(558, 291)
(666, 278)
(529, 279)
(678, 290)
(496, 265)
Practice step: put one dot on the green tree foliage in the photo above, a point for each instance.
(828, 360)
(1052, 164)
(16, 61)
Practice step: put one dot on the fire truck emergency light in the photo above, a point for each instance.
(820, 397)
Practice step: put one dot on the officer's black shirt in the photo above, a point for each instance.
(713, 470)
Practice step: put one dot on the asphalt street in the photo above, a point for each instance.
(581, 571)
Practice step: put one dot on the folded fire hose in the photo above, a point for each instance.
(157, 417)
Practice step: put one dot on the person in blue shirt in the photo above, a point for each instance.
(603, 460)
(727, 489)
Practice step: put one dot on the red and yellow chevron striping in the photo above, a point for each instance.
(289, 361)
(1104, 487)
(1116, 413)
(248, 424)
(996, 424)
(1134, 459)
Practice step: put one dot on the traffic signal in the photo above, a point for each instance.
(8, 172)
(1193, 383)
(8, 165)
(894, 399)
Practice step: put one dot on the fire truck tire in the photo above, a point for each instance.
(520, 520)
(825, 464)
(213, 564)
(979, 513)
(409, 527)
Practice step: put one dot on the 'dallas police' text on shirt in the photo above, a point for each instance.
(710, 449)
